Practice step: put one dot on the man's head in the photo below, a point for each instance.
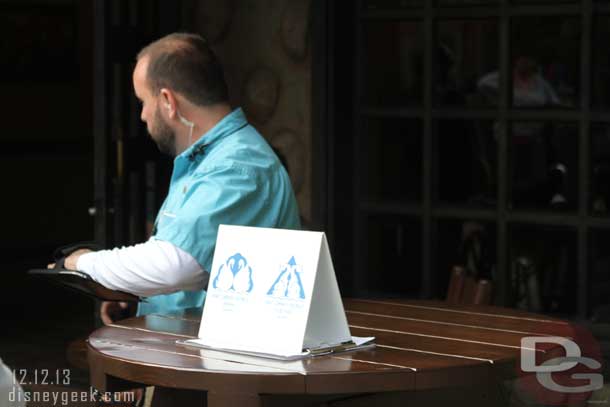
(172, 74)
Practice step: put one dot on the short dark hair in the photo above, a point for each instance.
(185, 63)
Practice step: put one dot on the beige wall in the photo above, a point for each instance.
(264, 47)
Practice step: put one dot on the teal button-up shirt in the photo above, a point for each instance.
(229, 176)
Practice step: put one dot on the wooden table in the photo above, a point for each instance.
(422, 349)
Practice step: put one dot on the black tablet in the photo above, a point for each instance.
(83, 283)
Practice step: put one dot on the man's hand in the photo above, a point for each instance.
(112, 311)
(70, 262)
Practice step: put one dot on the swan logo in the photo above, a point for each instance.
(234, 275)
(288, 284)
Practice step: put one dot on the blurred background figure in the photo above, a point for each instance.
(530, 89)
(538, 174)
(537, 171)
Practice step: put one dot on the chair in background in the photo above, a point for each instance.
(470, 279)
(465, 289)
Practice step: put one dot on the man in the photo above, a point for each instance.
(224, 173)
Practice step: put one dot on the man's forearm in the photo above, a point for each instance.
(151, 268)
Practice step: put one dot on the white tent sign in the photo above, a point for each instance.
(273, 292)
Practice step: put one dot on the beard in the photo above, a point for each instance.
(163, 135)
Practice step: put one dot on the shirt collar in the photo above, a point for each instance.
(228, 125)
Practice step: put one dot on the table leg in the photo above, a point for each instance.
(216, 399)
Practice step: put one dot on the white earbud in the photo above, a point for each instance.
(184, 121)
(189, 124)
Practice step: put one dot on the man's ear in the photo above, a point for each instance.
(168, 101)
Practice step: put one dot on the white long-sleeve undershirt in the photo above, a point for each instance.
(146, 269)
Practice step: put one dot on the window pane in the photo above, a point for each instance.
(600, 169)
(542, 268)
(545, 62)
(392, 65)
(392, 246)
(467, 244)
(600, 91)
(543, 165)
(599, 278)
(466, 162)
(466, 51)
(391, 153)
